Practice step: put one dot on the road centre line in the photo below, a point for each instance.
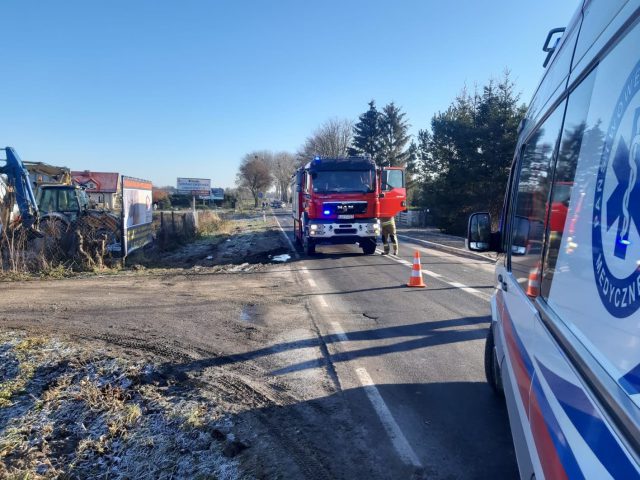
(286, 237)
(339, 332)
(398, 439)
(470, 290)
(322, 301)
(312, 282)
(431, 274)
(461, 286)
(427, 243)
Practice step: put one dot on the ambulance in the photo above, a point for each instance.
(564, 342)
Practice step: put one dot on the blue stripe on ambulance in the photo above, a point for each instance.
(590, 425)
(631, 381)
(567, 458)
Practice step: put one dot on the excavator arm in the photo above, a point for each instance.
(18, 178)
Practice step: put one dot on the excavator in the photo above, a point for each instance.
(58, 209)
(17, 189)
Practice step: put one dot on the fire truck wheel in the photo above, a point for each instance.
(368, 246)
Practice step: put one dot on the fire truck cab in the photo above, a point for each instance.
(341, 201)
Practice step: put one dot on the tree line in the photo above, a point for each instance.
(458, 164)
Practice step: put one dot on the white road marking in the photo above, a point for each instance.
(322, 301)
(393, 429)
(431, 274)
(339, 332)
(304, 270)
(286, 237)
(397, 259)
(470, 290)
(461, 286)
(427, 242)
(312, 282)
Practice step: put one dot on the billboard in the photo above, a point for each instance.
(194, 186)
(217, 194)
(137, 213)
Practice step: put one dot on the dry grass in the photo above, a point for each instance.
(56, 254)
(210, 223)
(70, 413)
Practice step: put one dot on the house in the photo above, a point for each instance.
(103, 188)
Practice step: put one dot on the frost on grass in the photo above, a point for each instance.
(68, 413)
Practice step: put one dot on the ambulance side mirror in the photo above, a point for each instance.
(479, 232)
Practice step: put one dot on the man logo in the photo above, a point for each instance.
(620, 294)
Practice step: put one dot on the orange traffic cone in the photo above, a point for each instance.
(415, 280)
(533, 284)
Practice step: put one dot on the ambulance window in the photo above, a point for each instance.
(573, 136)
(597, 15)
(530, 212)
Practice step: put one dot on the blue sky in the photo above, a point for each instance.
(161, 89)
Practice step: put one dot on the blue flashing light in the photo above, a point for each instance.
(327, 212)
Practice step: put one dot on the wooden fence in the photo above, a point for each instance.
(175, 227)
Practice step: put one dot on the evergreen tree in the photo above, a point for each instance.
(464, 160)
(394, 136)
(366, 133)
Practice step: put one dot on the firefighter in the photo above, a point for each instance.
(389, 230)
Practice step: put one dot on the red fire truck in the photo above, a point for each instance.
(341, 201)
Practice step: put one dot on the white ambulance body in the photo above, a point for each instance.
(564, 345)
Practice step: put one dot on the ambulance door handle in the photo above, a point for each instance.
(503, 284)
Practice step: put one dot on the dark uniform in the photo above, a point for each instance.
(389, 230)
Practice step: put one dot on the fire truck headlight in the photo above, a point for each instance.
(315, 229)
(373, 228)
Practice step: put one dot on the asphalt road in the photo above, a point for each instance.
(409, 360)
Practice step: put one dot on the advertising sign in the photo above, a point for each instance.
(137, 213)
(217, 194)
(194, 186)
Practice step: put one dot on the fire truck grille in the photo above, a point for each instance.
(346, 208)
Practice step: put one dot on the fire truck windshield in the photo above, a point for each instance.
(360, 181)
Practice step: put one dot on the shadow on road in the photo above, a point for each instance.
(464, 434)
(430, 333)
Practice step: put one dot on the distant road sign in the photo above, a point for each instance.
(217, 194)
(260, 194)
(194, 186)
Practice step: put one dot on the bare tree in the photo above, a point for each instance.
(331, 139)
(283, 166)
(255, 174)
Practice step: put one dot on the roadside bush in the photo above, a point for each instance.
(56, 253)
(211, 223)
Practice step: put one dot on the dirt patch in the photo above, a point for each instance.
(241, 244)
(185, 369)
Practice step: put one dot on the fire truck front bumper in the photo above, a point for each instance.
(332, 231)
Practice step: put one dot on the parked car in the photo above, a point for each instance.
(564, 342)
(277, 204)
